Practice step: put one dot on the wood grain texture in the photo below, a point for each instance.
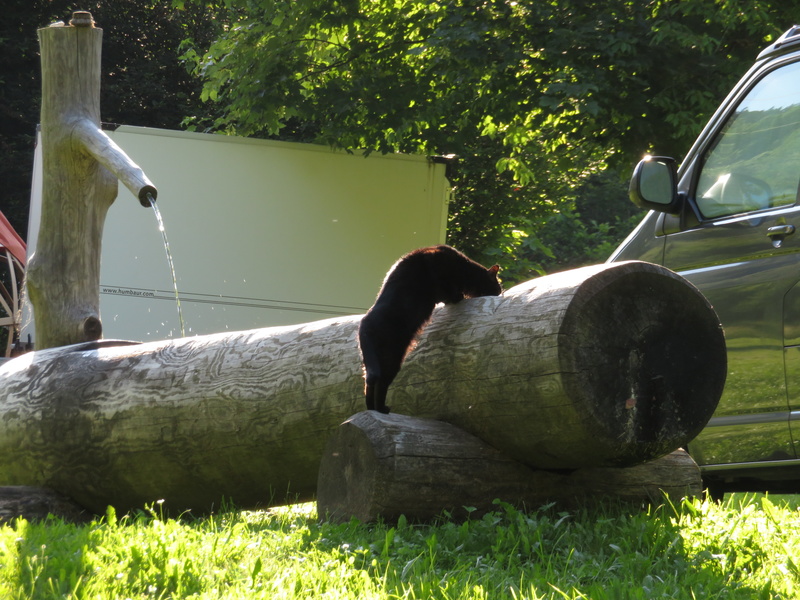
(379, 466)
(240, 416)
(554, 374)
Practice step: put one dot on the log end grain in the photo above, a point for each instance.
(645, 354)
(346, 482)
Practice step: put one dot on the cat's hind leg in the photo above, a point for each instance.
(380, 398)
(370, 386)
(375, 394)
(382, 351)
(390, 367)
(370, 359)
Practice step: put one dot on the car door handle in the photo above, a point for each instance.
(780, 230)
(777, 232)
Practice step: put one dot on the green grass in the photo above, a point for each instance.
(746, 547)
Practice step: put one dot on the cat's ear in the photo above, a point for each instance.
(494, 269)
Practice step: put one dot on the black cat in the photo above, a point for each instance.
(405, 302)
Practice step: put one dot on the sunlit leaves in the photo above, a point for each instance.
(554, 91)
(437, 75)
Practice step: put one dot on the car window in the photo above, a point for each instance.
(754, 162)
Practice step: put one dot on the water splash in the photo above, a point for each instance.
(169, 260)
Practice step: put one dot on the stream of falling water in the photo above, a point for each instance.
(169, 260)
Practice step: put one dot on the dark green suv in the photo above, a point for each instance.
(728, 221)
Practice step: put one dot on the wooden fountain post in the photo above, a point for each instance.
(81, 165)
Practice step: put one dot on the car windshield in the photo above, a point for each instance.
(754, 162)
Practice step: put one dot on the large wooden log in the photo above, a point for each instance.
(609, 365)
(589, 367)
(77, 186)
(379, 466)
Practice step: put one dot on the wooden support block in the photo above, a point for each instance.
(382, 466)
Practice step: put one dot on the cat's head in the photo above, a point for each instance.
(488, 285)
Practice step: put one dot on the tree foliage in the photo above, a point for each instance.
(534, 98)
(538, 101)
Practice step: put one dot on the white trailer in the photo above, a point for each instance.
(262, 232)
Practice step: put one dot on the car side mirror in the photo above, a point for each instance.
(654, 184)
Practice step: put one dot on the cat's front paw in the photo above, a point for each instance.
(385, 410)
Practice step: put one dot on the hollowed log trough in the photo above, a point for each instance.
(604, 366)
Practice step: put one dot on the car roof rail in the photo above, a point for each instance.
(790, 38)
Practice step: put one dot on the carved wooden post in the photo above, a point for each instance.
(77, 187)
